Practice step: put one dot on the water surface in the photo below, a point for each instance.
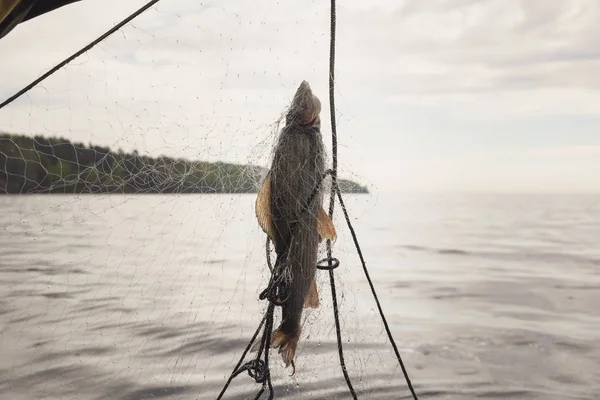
(138, 297)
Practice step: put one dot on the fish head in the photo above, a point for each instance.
(305, 108)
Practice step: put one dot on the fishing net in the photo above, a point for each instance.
(132, 267)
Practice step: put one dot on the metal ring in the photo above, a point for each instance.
(323, 264)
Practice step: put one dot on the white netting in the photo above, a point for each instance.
(127, 270)
(112, 290)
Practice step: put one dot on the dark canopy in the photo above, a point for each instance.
(13, 12)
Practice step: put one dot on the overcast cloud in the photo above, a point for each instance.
(458, 95)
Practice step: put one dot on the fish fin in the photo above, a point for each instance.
(263, 208)
(325, 226)
(255, 346)
(312, 298)
(287, 346)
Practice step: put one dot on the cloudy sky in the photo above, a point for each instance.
(454, 95)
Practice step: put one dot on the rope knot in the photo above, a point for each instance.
(277, 291)
(257, 370)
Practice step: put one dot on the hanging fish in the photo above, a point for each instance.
(295, 227)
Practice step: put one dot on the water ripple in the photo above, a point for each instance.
(134, 298)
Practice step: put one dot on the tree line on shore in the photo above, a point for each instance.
(33, 165)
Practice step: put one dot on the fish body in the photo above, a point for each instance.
(295, 226)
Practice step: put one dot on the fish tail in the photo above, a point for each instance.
(286, 343)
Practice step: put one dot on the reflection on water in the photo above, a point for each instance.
(135, 297)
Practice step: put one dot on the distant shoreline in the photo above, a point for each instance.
(136, 193)
(39, 165)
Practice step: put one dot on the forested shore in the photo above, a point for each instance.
(33, 165)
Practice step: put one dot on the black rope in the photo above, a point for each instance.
(78, 53)
(331, 266)
(257, 368)
(334, 263)
(235, 372)
(366, 271)
(276, 293)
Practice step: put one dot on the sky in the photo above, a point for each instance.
(495, 96)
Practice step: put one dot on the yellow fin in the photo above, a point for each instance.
(312, 298)
(286, 344)
(263, 208)
(325, 226)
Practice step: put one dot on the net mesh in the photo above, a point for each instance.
(149, 287)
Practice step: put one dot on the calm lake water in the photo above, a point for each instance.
(138, 297)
